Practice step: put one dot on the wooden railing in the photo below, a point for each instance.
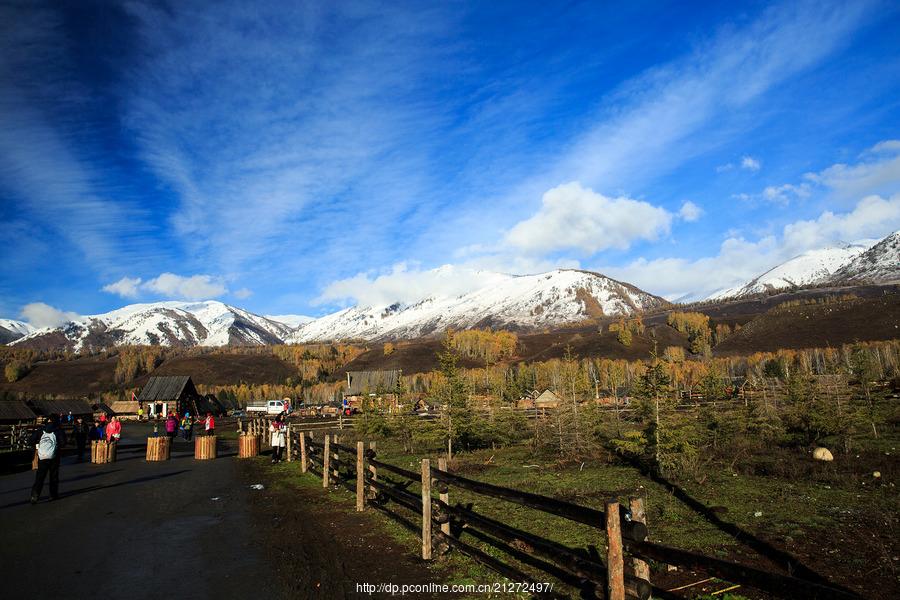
(622, 572)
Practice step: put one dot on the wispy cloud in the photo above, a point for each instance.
(749, 163)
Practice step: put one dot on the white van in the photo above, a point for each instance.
(270, 407)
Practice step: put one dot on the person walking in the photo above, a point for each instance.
(187, 425)
(278, 432)
(82, 431)
(48, 441)
(209, 424)
(171, 427)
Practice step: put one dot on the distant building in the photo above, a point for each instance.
(379, 387)
(174, 393)
(545, 399)
(78, 408)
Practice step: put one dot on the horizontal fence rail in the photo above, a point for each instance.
(441, 524)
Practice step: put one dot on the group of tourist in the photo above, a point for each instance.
(185, 425)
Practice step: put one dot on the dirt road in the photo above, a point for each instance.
(183, 528)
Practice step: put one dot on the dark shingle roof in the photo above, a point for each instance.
(368, 382)
(15, 410)
(171, 387)
(60, 407)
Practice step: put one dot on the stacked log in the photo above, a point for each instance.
(205, 447)
(158, 448)
(103, 452)
(248, 445)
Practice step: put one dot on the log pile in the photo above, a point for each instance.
(205, 447)
(248, 445)
(158, 448)
(103, 452)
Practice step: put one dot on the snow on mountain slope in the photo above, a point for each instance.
(292, 321)
(810, 268)
(10, 330)
(209, 323)
(878, 264)
(515, 302)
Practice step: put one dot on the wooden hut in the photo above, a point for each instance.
(377, 386)
(177, 393)
(15, 412)
(125, 409)
(78, 408)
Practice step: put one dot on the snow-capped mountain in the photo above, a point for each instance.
(208, 323)
(11, 329)
(525, 302)
(878, 264)
(292, 321)
(519, 302)
(810, 268)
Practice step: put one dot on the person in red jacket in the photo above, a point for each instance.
(209, 424)
(114, 430)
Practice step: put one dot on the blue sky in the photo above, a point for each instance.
(299, 157)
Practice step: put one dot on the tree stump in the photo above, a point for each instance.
(248, 445)
(158, 449)
(103, 452)
(205, 447)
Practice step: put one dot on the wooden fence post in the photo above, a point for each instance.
(445, 496)
(290, 445)
(426, 509)
(303, 463)
(326, 461)
(615, 571)
(360, 476)
(641, 568)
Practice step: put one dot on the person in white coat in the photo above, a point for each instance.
(278, 431)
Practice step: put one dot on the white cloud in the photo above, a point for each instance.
(877, 173)
(127, 287)
(750, 164)
(725, 168)
(783, 194)
(405, 284)
(572, 216)
(873, 216)
(43, 315)
(740, 260)
(690, 212)
(170, 285)
(196, 287)
(243, 293)
(891, 146)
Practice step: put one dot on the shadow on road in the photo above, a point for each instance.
(68, 480)
(94, 488)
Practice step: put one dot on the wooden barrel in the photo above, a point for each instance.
(205, 447)
(103, 452)
(158, 448)
(248, 445)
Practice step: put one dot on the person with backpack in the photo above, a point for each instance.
(49, 441)
(278, 431)
(81, 431)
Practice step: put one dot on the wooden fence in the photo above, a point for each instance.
(621, 572)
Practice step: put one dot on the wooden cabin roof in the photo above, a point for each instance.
(167, 388)
(15, 410)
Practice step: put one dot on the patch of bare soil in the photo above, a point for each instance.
(323, 548)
